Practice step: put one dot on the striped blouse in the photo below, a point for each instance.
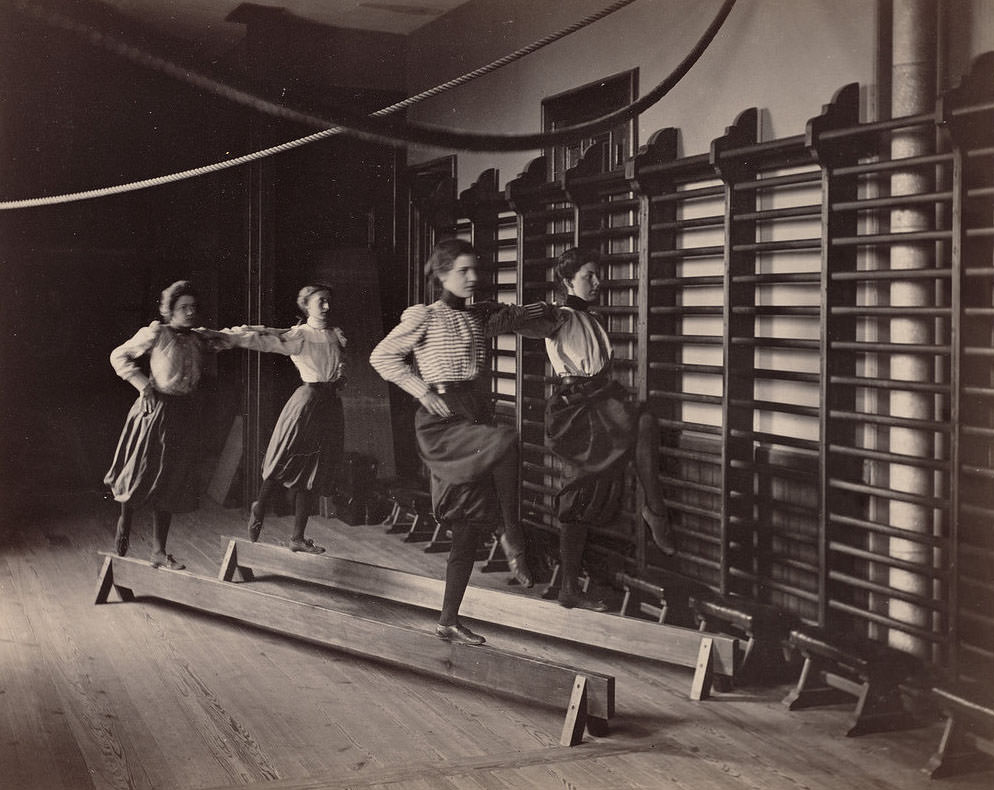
(448, 343)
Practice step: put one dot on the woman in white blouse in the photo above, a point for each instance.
(593, 427)
(306, 444)
(473, 461)
(156, 458)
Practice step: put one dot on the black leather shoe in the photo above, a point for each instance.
(581, 601)
(516, 563)
(458, 633)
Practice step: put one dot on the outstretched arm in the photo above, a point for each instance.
(258, 338)
(537, 319)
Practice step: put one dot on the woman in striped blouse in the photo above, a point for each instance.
(592, 426)
(472, 460)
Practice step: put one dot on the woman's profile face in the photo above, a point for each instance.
(462, 278)
(184, 312)
(585, 283)
(319, 305)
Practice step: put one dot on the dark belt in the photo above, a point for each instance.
(569, 381)
(442, 387)
(331, 386)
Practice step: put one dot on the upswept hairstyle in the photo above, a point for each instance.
(444, 255)
(307, 291)
(571, 261)
(169, 296)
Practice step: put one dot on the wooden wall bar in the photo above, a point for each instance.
(750, 301)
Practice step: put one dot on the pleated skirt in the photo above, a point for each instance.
(157, 456)
(461, 452)
(305, 448)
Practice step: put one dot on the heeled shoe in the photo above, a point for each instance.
(581, 601)
(516, 563)
(662, 532)
(254, 522)
(166, 561)
(306, 545)
(458, 633)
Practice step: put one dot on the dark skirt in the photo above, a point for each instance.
(157, 456)
(461, 452)
(306, 446)
(590, 425)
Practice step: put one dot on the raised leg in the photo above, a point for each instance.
(654, 513)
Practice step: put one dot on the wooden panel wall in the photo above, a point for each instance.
(753, 300)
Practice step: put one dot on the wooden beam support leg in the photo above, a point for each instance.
(957, 753)
(230, 569)
(704, 672)
(879, 710)
(576, 714)
(806, 696)
(105, 583)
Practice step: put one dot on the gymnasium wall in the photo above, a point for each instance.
(785, 56)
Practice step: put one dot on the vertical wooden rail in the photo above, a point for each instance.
(656, 303)
(545, 224)
(737, 517)
(607, 221)
(966, 112)
(835, 365)
(257, 400)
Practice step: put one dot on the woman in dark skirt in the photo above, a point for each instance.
(156, 458)
(306, 444)
(593, 427)
(473, 461)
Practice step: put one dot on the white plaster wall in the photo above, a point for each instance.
(787, 57)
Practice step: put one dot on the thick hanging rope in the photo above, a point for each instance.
(136, 55)
(372, 127)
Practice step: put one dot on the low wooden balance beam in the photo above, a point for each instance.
(708, 654)
(587, 696)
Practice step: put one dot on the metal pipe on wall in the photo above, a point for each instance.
(913, 91)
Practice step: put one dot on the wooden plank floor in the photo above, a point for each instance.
(150, 695)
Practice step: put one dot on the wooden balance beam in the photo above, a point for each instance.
(708, 654)
(588, 696)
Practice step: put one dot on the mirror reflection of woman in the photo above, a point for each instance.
(305, 447)
(473, 461)
(593, 427)
(156, 461)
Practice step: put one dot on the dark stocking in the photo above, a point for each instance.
(122, 536)
(301, 512)
(269, 487)
(647, 462)
(505, 476)
(161, 519)
(462, 555)
(572, 540)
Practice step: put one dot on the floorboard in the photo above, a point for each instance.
(149, 695)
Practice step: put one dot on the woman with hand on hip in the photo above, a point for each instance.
(473, 461)
(157, 455)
